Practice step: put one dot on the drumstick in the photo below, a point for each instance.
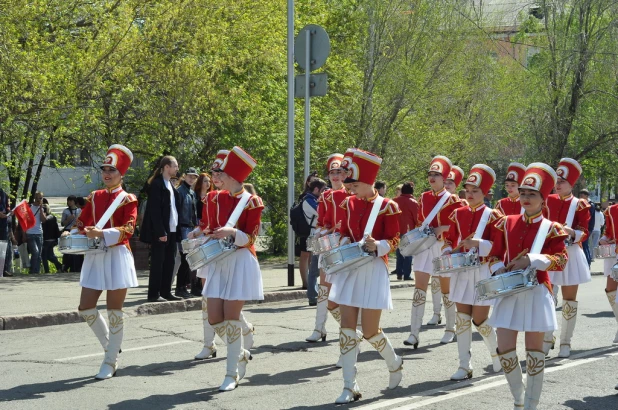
(461, 243)
(522, 253)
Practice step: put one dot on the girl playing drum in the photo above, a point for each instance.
(609, 238)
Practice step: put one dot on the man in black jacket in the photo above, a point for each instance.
(187, 217)
(160, 229)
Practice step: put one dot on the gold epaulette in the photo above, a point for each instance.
(255, 202)
(556, 230)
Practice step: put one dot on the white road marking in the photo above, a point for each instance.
(133, 349)
(470, 387)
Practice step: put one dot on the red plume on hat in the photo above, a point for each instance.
(221, 155)
(365, 167)
(334, 162)
(539, 177)
(238, 164)
(515, 172)
(481, 176)
(118, 157)
(346, 162)
(442, 165)
(456, 175)
(569, 169)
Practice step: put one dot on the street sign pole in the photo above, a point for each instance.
(307, 101)
(290, 139)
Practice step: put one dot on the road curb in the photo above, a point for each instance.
(68, 317)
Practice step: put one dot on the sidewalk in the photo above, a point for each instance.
(45, 300)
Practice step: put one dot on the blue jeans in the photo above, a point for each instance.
(313, 279)
(35, 246)
(49, 256)
(8, 260)
(586, 249)
(404, 265)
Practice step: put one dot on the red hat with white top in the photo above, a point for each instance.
(456, 175)
(221, 155)
(365, 167)
(118, 157)
(334, 162)
(515, 172)
(569, 169)
(481, 176)
(442, 165)
(539, 177)
(238, 164)
(347, 158)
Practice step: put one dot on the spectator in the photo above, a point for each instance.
(599, 221)
(202, 187)
(22, 247)
(34, 235)
(407, 221)
(380, 186)
(5, 227)
(51, 233)
(310, 178)
(488, 198)
(398, 190)
(583, 195)
(310, 209)
(317, 187)
(187, 219)
(159, 229)
(68, 219)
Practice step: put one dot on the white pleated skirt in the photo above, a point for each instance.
(109, 269)
(423, 262)
(366, 287)
(237, 277)
(530, 311)
(202, 272)
(608, 264)
(576, 270)
(463, 286)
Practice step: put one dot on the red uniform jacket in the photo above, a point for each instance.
(507, 206)
(429, 200)
(611, 219)
(357, 213)
(558, 208)
(123, 218)
(409, 212)
(519, 232)
(220, 206)
(464, 222)
(329, 211)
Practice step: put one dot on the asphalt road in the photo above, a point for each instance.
(53, 367)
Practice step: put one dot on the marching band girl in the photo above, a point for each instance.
(473, 227)
(532, 311)
(237, 278)
(609, 238)
(514, 177)
(112, 268)
(574, 215)
(366, 287)
(423, 262)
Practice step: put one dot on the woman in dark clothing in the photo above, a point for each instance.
(51, 233)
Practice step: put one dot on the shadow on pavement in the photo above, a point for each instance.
(39, 390)
(607, 402)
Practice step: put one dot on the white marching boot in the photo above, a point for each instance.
(210, 349)
(451, 317)
(535, 368)
(233, 333)
(464, 343)
(512, 372)
(97, 324)
(436, 294)
(611, 297)
(416, 317)
(489, 338)
(321, 313)
(569, 317)
(394, 363)
(549, 341)
(348, 342)
(116, 334)
(247, 332)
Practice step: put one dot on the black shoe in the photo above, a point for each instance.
(157, 299)
(408, 278)
(399, 277)
(183, 294)
(314, 303)
(8, 274)
(170, 297)
(393, 272)
(196, 292)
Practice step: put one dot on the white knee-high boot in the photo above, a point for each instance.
(336, 313)
(611, 297)
(464, 343)
(348, 342)
(416, 317)
(321, 313)
(394, 363)
(535, 368)
(451, 315)
(233, 333)
(569, 317)
(512, 372)
(247, 332)
(489, 337)
(549, 341)
(97, 324)
(436, 294)
(210, 349)
(116, 334)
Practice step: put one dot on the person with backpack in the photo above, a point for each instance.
(51, 233)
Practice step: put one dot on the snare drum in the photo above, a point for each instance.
(311, 241)
(416, 241)
(605, 251)
(345, 257)
(211, 251)
(326, 243)
(190, 244)
(78, 244)
(455, 262)
(506, 284)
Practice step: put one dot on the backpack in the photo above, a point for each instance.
(298, 220)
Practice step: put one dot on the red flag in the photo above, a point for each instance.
(24, 215)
